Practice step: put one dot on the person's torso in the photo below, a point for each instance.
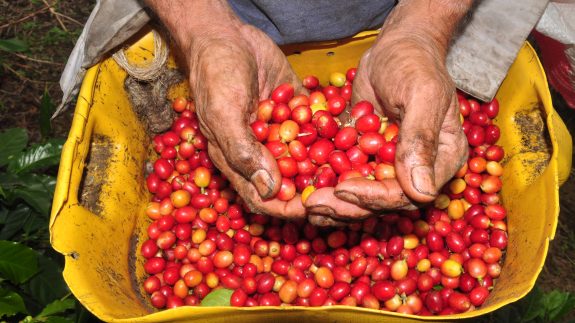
(294, 21)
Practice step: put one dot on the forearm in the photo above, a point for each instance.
(438, 19)
(188, 19)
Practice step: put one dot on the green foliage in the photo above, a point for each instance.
(13, 45)
(12, 142)
(536, 307)
(32, 189)
(56, 35)
(47, 108)
(32, 288)
(57, 307)
(219, 297)
(47, 285)
(37, 157)
(11, 303)
(19, 183)
(17, 262)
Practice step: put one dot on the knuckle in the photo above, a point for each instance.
(421, 144)
(242, 155)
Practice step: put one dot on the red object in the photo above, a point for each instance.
(560, 72)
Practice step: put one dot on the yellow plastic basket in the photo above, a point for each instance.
(104, 156)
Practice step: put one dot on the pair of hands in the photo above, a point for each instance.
(234, 65)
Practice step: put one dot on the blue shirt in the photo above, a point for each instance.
(312, 20)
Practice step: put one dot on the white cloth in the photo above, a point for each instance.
(110, 24)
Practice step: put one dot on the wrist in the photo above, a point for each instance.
(434, 20)
(196, 20)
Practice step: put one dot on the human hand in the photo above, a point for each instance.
(404, 75)
(232, 66)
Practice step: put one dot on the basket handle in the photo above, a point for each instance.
(74, 152)
(564, 147)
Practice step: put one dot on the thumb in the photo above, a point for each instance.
(417, 147)
(231, 133)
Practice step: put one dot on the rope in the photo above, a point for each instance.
(151, 71)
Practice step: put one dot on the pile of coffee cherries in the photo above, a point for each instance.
(313, 147)
(438, 260)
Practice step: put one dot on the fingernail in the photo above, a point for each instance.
(347, 196)
(322, 211)
(422, 179)
(317, 220)
(263, 183)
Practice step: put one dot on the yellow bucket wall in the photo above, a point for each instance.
(101, 248)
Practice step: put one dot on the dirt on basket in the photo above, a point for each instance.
(149, 100)
(94, 177)
(534, 138)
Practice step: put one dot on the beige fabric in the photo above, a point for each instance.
(110, 24)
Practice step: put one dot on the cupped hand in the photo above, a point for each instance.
(232, 68)
(405, 77)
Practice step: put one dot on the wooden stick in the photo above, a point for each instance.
(69, 18)
(37, 60)
(53, 12)
(24, 18)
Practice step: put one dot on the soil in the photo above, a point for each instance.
(558, 272)
(50, 27)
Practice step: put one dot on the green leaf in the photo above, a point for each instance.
(11, 303)
(9, 181)
(34, 224)
(40, 200)
(58, 319)
(12, 142)
(13, 45)
(557, 304)
(533, 307)
(219, 297)
(36, 182)
(15, 221)
(48, 284)
(566, 308)
(17, 262)
(37, 156)
(36, 190)
(3, 215)
(46, 111)
(49, 182)
(57, 307)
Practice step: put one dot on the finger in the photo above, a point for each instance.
(276, 68)
(362, 88)
(324, 202)
(280, 72)
(374, 195)
(418, 141)
(452, 151)
(226, 91)
(290, 210)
